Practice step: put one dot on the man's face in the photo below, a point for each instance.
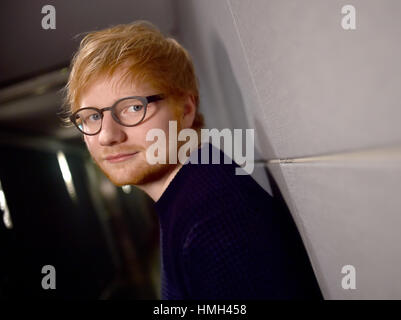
(127, 143)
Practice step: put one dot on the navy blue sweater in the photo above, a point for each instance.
(223, 238)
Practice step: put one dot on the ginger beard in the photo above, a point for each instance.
(137, 170)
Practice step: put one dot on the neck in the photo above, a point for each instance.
(155, 189)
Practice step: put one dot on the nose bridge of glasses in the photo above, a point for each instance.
(113, 116)
(105, 109)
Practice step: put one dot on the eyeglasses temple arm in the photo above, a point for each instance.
(154, 98)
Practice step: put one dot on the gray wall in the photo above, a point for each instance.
(325, 105)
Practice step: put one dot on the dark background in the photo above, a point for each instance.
(103, 242)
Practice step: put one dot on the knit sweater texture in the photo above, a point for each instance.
(222, 237)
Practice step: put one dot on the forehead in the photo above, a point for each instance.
(105, 90)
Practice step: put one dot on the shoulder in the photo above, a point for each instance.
(210, 173)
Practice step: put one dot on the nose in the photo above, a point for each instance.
(112, 133)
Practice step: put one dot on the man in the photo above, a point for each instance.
(220, 234)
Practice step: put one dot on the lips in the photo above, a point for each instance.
(120, 157)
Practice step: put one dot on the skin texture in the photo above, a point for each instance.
(115, 139)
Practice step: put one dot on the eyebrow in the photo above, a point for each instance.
(99, 107)
(151, 98)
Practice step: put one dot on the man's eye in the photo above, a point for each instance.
(94, 117)
(135, 108)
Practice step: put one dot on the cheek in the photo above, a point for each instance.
(168, 114)
(160, 121)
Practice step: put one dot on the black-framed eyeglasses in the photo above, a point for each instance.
(128, 111)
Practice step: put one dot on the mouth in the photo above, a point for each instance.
(120, 157)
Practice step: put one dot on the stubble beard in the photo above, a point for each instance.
(144, 172)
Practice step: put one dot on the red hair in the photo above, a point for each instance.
(145, 55)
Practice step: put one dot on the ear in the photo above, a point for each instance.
(188, 116)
